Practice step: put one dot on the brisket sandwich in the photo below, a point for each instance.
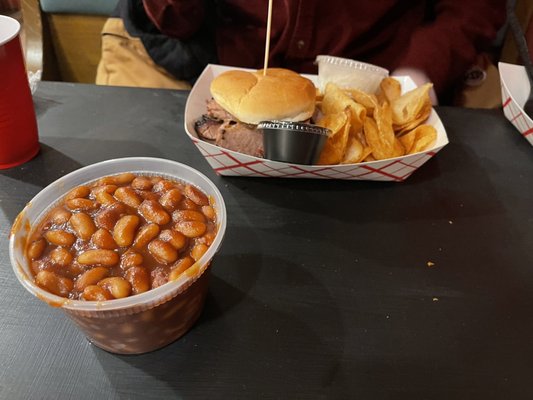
(242, 99)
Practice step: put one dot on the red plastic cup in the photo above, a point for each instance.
(19, 141)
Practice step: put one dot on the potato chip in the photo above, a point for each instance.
(399, 149)
(383, 143)
(354, 152)
(391, 89)
(414, 123)
(367, 151)
(419, 139)
(334, 122)
(411, 106)
(369, 158)
(367, 100)
(335, 146)
(359, 135)
(408, 140)
(372, 135)
(336, 100)
(426, 136)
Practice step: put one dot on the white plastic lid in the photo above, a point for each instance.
(348, 73)
(9, 28)
(351, 63)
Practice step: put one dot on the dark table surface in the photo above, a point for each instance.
(322, 289)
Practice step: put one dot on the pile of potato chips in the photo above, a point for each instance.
(368, 127)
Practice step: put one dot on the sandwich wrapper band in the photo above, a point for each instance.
(293, 142)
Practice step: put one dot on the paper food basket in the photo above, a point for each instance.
(515, 91)
(230, 163)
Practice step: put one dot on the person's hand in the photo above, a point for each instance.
(420, 78)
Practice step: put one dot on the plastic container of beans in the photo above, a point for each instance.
(143, 322)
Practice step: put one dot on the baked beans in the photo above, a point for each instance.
(120, 236)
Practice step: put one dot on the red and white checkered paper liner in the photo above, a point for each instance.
(231, 163)
(515, 91)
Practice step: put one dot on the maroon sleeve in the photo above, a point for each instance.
(447, 47)
(176, 18)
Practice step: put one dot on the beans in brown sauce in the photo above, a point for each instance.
(120, 236)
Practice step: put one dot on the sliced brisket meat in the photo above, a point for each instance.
(240, 137)
(223, 128)
(207, 127)
(215, 111)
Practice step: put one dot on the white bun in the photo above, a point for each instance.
(252, 97)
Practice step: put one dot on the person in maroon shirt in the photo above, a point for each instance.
(433, 41)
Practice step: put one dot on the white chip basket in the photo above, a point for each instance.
(231, 163)
(515, 91)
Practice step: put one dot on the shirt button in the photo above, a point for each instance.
(300, 44)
